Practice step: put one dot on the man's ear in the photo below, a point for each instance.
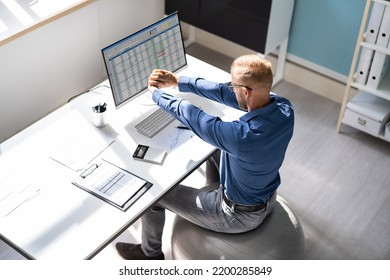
(247, 93)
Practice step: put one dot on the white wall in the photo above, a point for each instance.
(41, 70)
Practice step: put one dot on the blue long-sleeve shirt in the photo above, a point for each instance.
(253, 147)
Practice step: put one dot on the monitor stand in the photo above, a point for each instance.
(145, 99)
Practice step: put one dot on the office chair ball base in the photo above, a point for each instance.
(279, 237)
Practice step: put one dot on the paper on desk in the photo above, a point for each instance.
(77, 142)
(14, 194)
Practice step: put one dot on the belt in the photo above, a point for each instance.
(244, 208)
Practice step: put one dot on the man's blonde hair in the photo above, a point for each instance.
(253, 68)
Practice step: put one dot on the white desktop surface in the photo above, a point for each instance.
(66, 222)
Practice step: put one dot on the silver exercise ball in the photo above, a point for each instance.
(279, 237)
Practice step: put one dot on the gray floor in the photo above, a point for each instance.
(337, 184)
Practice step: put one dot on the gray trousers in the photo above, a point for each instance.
(203, 207)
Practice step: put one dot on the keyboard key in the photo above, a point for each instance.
(154, 123)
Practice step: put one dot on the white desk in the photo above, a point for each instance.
(64, 221)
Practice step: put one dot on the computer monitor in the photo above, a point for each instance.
(130, 61)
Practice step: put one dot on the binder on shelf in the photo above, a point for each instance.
(364, 65)
(384, 30)
(377, 70)
(374, 22)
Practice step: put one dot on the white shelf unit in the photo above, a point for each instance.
(383, 90)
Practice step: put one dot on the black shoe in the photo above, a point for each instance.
(130, 251)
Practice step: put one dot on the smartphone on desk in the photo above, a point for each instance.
(149, 154)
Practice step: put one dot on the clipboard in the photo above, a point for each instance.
(112, 184)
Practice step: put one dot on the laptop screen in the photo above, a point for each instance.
(130, 61)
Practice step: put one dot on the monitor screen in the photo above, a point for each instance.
(130, 61)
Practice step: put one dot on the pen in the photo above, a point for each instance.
(182, 127)
(100, 108)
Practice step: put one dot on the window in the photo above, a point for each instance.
(18, 16)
